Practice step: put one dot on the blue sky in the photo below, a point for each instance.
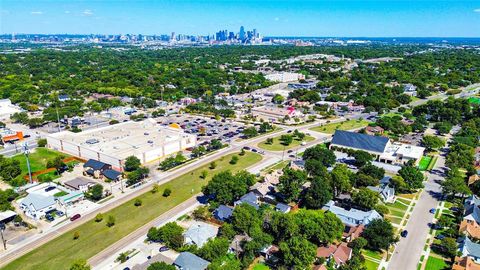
(371, 18)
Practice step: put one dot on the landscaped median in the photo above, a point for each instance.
(94, 237)
(277, 144)
(345, 125)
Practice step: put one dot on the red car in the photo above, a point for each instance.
(75, 217)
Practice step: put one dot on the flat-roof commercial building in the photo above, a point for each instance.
(381, 147)
(146, 140)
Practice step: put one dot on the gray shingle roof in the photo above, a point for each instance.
(352, 216)
(470, 248)
(112, 174)
(189, 261)
(94, 164)
(199, 233)
(223, 212)
(360, 141)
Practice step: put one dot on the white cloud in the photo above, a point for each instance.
(36, 12)
(87, 12)
(477, 10)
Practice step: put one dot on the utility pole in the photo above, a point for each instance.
(58, 119)
(4, 242)
(26, 152)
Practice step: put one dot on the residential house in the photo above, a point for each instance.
(465, 263)
(351, 233)
(95, 168)
(471, 210)
(340, 254)
(470, 249)
(190, 261)
(222, 213)
(270, 253)
(352, 217)
(63, 98)
(112, 175)
(46, 197)
(199, 233)
(236, 246)
(386, 193)
(250, 198)
(410, 89)
(377, 130)
(80, 184)
(470, 229)
(281, 207)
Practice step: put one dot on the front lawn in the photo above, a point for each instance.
(60, 252)
(345, 125)
(424, 162)
(371, 265)
(434, 263)
(278, 146)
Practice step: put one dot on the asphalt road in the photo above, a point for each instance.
(157, 177)
(409, 250)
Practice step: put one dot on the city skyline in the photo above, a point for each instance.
(344, 18)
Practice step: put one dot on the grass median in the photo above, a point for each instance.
(278, 146)
(94, 237)
(345, 125)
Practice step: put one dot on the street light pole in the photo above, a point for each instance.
(26, 151)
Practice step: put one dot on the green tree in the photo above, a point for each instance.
(320, 153)
(290, 183)
(245, 218)
(412, 176)
(110, 221)
(161, 266)
(132, 163)
(227, 187)
(341, 179)
(286, 139)
(362, 158)
(42, 142)
(298, 253)
(455, 184)
(449, 247)
(318, 194)
(215, 248)
(234, 160)
(380, 234)
(365, 198)
(171, 234)
(80, 265)
(250, 132)
(432, 142)
(96, 192)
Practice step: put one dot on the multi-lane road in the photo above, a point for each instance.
(156, 177)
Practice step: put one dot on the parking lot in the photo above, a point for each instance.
(206, 129)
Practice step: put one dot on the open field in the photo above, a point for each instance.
(261, 266)
(345, 125)
(38, 159)
(278, 146)
(60, 252)
(434, 263)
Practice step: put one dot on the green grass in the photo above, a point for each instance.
(432, 163)
(371, 265)
(372, 254)
(424, 162)
(394, 219)
(38, 159)
(278, 146)
(278, 166)
(345, 125)
(474, 100)
(434, 263)
(60, 252)
(261, 266)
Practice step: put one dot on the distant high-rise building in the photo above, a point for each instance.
(241, 35)
(172, 37)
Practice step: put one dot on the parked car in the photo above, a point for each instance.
(440, 237)
(404, 233)
(162, 249)
(75, 217)
(432, 211)
(289, 151)
(49, 218)
(60, 213)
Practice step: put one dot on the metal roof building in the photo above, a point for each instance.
(372, 144)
